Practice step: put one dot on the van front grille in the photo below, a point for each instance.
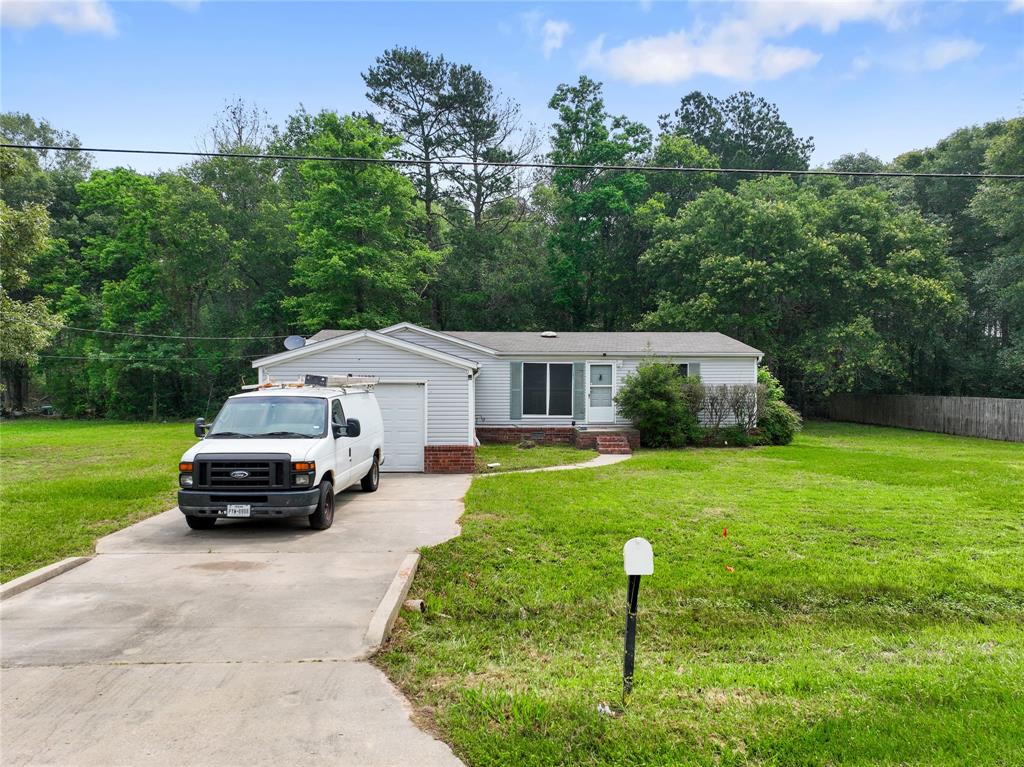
(242, 472)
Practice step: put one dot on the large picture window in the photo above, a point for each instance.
(547, 388)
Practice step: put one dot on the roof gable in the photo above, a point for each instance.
(445, 336)
(348, 337)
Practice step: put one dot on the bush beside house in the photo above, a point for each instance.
(671, 410)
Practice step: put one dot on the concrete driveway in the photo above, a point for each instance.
(239, 645)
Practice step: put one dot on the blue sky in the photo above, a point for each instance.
(876, 76)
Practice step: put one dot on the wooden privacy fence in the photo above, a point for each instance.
(987, 417)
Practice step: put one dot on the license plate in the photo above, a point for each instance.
(238, 510)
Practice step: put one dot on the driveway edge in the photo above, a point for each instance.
(387, 611)
(43, 574)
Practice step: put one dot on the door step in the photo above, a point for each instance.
(613, 444)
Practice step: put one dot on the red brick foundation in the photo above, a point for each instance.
(449, 459)
(513, 435)
(585, 439)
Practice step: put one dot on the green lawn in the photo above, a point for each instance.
(513, 457)
(874, 613)
(63, 484)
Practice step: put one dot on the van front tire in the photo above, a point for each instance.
(201, 523)
(323, 517)
(371, 481)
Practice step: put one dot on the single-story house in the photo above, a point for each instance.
(441, 392)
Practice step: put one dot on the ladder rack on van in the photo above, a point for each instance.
(325, 382)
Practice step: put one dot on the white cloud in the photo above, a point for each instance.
(942, 53)
(738, 46)
(554, 33)
(1015, 6)
(69, 15)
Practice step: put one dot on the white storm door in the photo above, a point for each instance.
(600, 392)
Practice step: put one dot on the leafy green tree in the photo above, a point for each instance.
(678, 189)
(974, 349)
(496, 277)
(486, 128)
(842, 289)
(50, 176)
(741, 131)
(255, 212)
(413, 90)
(361, 262)
(26, 322)
(597, 240)
(1000, 206)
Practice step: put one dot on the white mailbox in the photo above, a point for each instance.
(638, 556)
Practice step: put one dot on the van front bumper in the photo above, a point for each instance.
(291, 503)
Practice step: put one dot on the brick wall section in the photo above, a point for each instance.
(512, 435)
(550, 435)
(449, 459)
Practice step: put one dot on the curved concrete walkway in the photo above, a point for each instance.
(244, 644)
(601, 460)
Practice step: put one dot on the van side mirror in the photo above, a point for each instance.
(201, 428)
(339, 430)
(353, 428)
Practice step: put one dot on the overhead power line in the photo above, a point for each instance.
(176, 338)
(455, 162)
(108, 358)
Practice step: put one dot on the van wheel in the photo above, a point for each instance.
(201, 523)
(372, 479)
(323, 517)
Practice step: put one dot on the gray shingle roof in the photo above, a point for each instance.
(617, 343)
(592, 342)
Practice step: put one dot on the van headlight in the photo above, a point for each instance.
(303, 473)
(185, 480)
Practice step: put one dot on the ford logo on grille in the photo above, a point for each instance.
(239, 474)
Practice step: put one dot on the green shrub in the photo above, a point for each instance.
(772, 388)
(652, 398)
(778, 422)
(736, 436)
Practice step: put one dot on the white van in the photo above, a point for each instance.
(283, 451)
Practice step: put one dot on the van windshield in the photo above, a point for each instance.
(271, 417)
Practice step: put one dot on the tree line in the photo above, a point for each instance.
(848, 284)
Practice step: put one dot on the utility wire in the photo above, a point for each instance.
(178, 338)
(537, 165)
(101, 357)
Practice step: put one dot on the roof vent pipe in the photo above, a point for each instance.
(549, 334)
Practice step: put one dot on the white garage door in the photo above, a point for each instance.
(402, 406)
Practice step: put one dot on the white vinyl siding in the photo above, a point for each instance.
(492, 384)
(447, 392)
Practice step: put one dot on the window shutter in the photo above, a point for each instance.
(579, 391)
(515, 390)
(693, 371)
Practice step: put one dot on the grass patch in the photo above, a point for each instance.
(513, 457)
(874, 613)
(67, 483)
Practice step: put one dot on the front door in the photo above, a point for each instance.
(600, 405)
